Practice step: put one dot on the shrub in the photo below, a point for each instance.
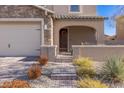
(85, 67)
(15, 84)
(113, 70)
(34, 71)
(90, 83)
(85, 62)
(85, 72)
(43, 60)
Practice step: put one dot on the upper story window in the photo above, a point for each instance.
(74, 8)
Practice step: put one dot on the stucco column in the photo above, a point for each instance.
(100, 32)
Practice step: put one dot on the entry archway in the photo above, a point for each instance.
(76, 35)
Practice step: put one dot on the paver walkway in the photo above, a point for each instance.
(54, 68)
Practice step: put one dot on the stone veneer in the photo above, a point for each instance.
(26, 11)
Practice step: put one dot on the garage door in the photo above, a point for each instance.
(20, 38)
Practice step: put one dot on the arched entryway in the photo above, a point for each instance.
(76, 35)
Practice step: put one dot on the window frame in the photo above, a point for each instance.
(80, 9)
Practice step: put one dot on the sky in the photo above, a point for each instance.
(107, 11)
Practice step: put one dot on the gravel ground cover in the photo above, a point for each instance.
(16, 68)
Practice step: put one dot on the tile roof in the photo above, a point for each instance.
(77, 17)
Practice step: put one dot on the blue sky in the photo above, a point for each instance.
(107, 10)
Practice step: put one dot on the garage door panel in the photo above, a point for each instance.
(19, 25)
(23, 38)
(4, 40)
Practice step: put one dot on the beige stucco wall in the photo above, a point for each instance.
(120, 28)
(99, 52)
(78, 35)
(85, 10)
(98, 25)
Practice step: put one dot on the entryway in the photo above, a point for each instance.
(75, 35)
(63, 40)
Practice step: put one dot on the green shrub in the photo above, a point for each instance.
(85, 67)
(85, 72)
(113, 70)
(85, 62)
(90, 83)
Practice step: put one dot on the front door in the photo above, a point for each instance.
(63, 40)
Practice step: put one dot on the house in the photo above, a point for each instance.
(120, 28)
(30, 30)
(118, 39)
(76, 25)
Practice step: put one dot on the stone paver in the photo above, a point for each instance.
(64, 84)
(64, 73)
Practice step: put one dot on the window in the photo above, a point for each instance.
(74, 8)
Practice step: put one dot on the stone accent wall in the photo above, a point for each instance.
(26, 11)
(20, 11)
(47, 34)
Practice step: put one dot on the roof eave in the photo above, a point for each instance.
(79, 17)
(43, 8)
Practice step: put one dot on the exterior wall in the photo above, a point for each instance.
(85, 10)
(120, 28)
(98, 25)
(98, 53)
(27, 11)
(21, 11)
(84, 35)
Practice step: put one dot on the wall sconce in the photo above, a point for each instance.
(45, 27)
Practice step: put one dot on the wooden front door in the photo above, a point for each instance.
(63, 40)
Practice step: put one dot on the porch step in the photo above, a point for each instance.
(64, 58)
(63, 77)
(65, 53)
(65, 73)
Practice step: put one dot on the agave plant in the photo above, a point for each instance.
(113, 70)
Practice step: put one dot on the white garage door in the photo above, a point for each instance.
(20, 38)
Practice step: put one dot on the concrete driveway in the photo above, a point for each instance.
(15, 67)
